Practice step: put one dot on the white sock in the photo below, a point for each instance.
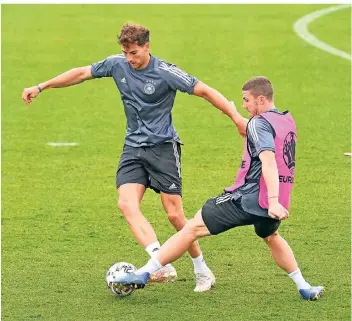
(297, 277)
(152, 266)
(152, 248)
(199, 264)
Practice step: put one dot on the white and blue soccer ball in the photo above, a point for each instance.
(116, 271)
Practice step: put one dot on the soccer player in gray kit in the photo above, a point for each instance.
(152, 149)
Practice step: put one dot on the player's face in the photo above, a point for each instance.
(137, 56)
(251, 104)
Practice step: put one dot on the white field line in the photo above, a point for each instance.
(301, 28)
(62, 144)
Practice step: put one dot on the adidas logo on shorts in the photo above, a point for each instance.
(173, 186)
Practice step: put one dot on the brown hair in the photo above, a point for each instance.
(133, 33)
(259, 86)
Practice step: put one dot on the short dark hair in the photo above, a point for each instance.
(133, 33)
(259, 86)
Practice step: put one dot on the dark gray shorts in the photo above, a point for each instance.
(222, 213)
(157, 167)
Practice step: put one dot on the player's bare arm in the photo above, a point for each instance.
(242, 125)
(220, 102)
(271, 177)
(69, 78)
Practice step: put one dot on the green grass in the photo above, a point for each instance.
(61, 229)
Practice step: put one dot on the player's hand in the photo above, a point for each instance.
(29, 93)
(277, 211)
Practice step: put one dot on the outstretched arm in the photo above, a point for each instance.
(71, 77)
(220, 102)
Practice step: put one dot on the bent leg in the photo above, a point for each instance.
(173, 207)
(129, 199)
(171, 250)
(178, 244)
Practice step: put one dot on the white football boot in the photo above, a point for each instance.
(204, 281)
(165, 274)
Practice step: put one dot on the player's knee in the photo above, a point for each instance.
(122, 204)
(271, 238)
(191, 228)
(177, 219)
(126, 206)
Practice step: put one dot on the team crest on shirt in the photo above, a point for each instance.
(289, 151)
(149, 87)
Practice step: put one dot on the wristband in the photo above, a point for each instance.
(40, 90)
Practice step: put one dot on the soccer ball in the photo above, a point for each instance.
(117, 270)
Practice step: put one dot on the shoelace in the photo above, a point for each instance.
(202, 279)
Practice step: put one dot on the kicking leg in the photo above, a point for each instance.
(173, 207)
(176, 246)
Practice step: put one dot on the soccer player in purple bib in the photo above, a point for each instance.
(260, 195)
(151, 157)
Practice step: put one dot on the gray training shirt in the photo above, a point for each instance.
(260, 137)
(148, 96)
